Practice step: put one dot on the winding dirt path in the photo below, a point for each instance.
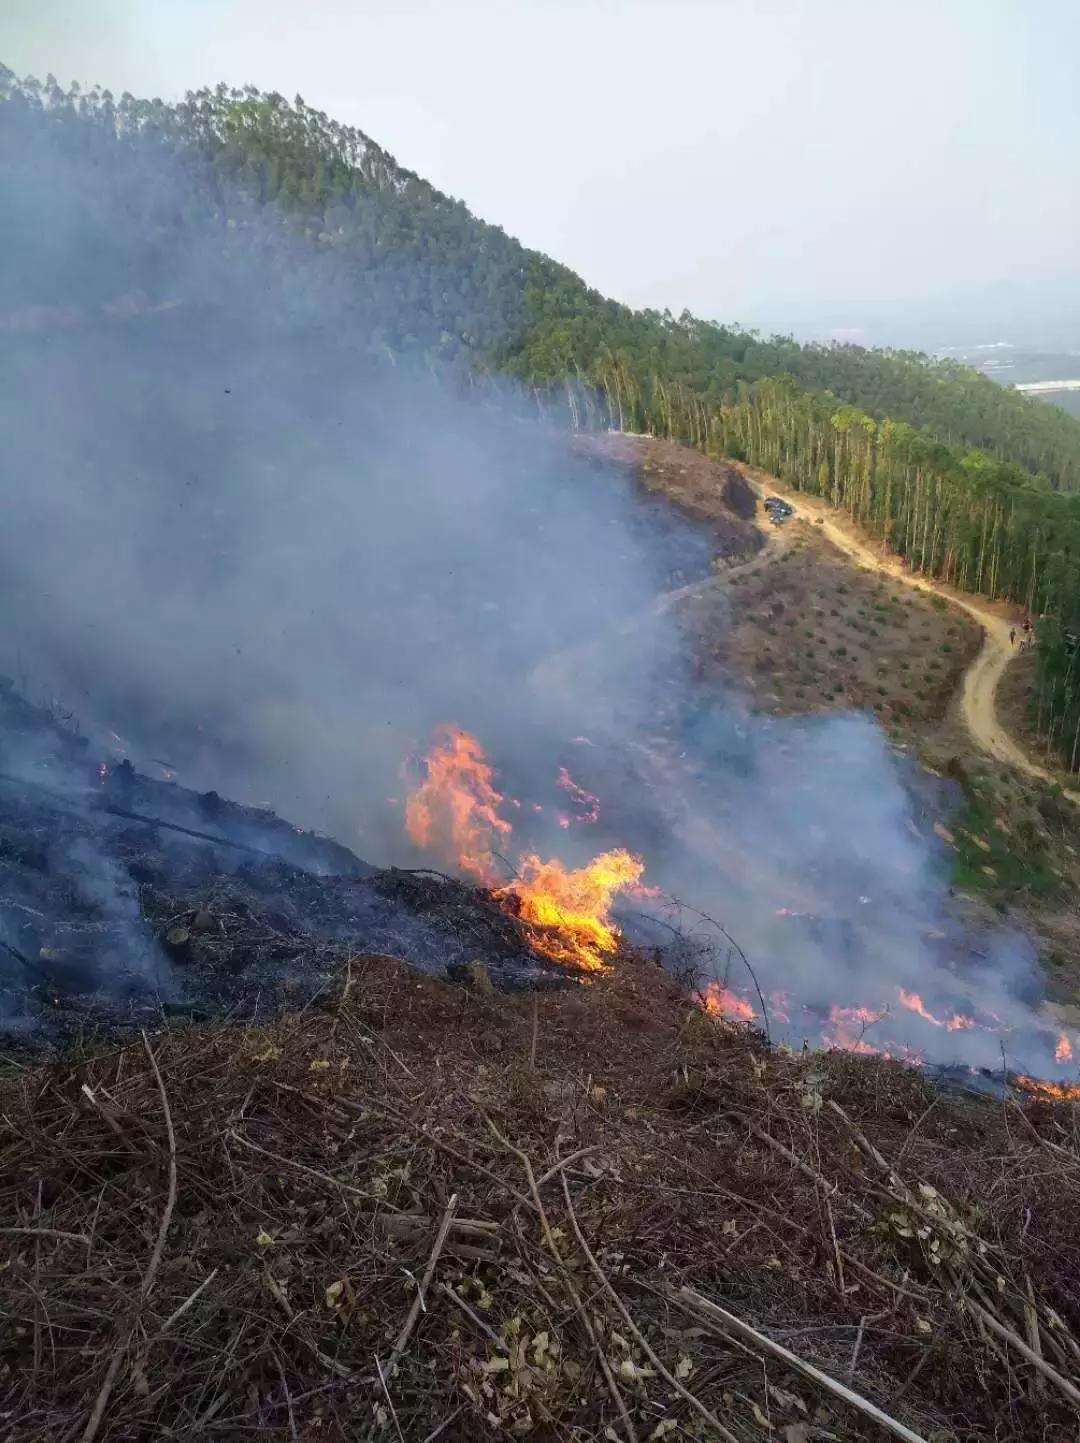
(978, 699)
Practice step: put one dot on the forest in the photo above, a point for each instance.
(970, 482)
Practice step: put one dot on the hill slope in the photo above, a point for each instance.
(222, 1232)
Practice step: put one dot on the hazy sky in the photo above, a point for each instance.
(908, 167)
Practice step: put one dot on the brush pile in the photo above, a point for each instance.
(417, 1211)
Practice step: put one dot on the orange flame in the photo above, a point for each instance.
(1048, 1091)
(720, 1001)
(848, 1026)
(589, 806)
(454, 809)
(454, 812)
(914, 1003)
(1063, 1051)
(958, 1022)
(574, 904)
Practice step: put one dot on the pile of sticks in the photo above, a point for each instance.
(423, 1212)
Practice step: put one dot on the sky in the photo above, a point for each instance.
(894, 171)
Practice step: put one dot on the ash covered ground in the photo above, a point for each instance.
(125, 899)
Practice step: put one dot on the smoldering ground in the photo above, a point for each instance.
(245, 538)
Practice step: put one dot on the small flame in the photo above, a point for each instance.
(720, 1001)
(847, 1029)
(588, 805)
(914, 1003)
(780, 1007)
(1048, 1091)
(957, 1022)
(454, 811)
(1063, 1051)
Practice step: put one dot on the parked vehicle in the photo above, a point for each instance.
(778, 509)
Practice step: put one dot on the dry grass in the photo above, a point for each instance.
(706, 490)
(426, 1212)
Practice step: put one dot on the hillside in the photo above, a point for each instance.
(432, 275)
(234, 190)
(418, 1211)
(692, 1099)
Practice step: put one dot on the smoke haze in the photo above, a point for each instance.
(903, 171)
(246, 541)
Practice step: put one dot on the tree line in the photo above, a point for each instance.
(969, 482)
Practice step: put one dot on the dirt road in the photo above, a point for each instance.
(978, 698)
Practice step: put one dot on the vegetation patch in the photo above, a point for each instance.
(802, 621)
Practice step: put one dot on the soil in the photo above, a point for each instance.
(715, 492)
(805, 632)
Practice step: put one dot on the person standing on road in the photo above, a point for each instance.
(1012, 635)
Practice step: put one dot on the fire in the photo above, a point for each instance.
(1048, 1091)
(454, 812)
(914, 1003)
(1063, 1051)
(780, 1007)
(849, 1026)
(454, 809)
(720, 1001)
(573, 904)
(957, 1022)
(588, 805)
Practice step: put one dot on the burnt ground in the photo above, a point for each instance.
(125, 899)
(713, 492)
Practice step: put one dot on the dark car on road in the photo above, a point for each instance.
(778, 509)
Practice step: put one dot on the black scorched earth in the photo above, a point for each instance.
(125, 899)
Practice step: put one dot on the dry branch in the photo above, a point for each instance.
(730, 1326)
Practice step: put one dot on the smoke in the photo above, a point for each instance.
(247, 542)
(810, 840)
(243, 538)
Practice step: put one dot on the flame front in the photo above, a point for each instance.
(1048, 1091)
(848, 1028)
(454, 813)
